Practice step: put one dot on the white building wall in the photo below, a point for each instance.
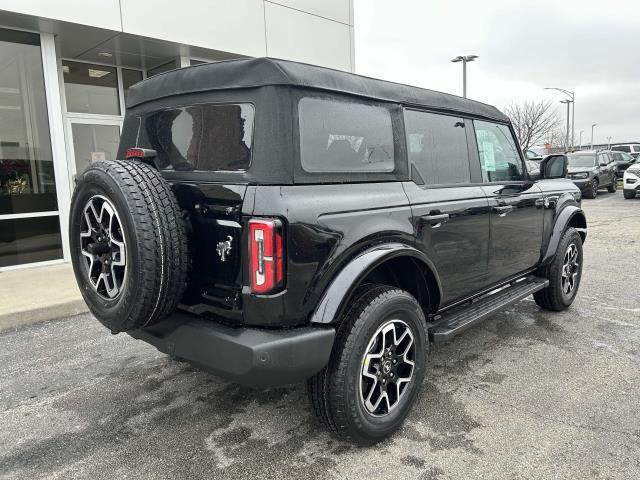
(312, 31)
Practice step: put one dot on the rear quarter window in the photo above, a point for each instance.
(200, 137)
(340, 136)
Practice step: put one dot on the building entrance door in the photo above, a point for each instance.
(92, 140)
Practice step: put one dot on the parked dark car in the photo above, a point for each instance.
(623, 161)
(591, 170)
(274, 222)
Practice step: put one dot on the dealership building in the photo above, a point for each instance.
(65, 70)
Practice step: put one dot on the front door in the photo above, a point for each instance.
(450, 215)
(92, 140)
(517, 204)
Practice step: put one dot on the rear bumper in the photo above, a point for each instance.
(249, 356)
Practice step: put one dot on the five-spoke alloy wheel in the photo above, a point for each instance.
(104, 247)
(570, 269)
(387, 368)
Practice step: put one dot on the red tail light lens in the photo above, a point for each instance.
(266, 259)
(137, 152)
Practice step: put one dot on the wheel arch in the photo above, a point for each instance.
(570, 216)
(393, 264)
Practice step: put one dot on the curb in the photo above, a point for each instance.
(22, 318)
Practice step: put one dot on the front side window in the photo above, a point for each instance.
(340, 136)
(636, 148)
(203, 137)
(437, 146)
(499, 157)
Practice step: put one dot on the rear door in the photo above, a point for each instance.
(516, 203)
(450, 214)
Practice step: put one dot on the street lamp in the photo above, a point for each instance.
(580, 147)
(572, 96)
(609, 143)
(464, 59)
(592, 135)
(568, 102)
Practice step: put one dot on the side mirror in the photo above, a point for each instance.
(554, 166)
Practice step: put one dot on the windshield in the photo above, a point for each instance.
(582, 160)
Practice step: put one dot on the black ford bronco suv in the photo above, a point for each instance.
(274, 222)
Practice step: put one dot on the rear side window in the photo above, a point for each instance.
(344, 137)
(622, 148)
(636, 148)
(499, 157)
(437, 146)
(204, 137)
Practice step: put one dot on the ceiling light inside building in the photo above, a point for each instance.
(105, 54)
(97, 73)
(65, 69)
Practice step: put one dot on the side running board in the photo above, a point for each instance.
(449, 324)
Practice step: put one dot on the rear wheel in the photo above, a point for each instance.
(564, 274)
(376, 368)
(629, 194)
(614, 186)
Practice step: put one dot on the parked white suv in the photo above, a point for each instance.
(632, 148)
(631, 181)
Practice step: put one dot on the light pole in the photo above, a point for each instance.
(609, 143)
(580, 147)
(568, 102)
(572, 96)
(464, 59)
(592, 135)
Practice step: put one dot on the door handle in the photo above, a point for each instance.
(436, 220)
(502, 210)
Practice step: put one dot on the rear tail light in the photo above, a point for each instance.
(266, 256)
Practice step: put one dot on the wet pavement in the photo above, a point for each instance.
(526, 394)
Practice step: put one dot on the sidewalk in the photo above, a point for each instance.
(37, 294)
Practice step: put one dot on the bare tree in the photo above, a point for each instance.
(532, 121)
(557, 139)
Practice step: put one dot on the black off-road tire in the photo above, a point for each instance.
(155, 237)
(334, 391)
(553, 297)
(629, 194)
(614, 186)
(592, 190)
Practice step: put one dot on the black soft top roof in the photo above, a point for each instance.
(258, 72)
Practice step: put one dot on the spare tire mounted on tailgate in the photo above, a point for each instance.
(128, 244)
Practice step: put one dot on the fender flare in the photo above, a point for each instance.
(559, 226)
(349, 277)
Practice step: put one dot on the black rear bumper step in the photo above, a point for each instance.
(451, 323)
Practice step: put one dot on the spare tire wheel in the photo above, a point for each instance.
(128, 244)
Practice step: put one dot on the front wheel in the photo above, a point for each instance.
(614, 186)
(592, 189)
(376, 368)
(629, 194)
(564, 274)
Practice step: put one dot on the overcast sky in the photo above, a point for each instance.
(590, 47)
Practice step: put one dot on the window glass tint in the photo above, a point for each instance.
(636, 148)
(345, 137)
(91, 88)
(200, 137)
(499, 158)
(437, 146)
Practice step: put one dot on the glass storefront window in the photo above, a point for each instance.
(91, 88)
(129, 78)
(172, 65)
(92, 143)
(29, 240)
(27, 180)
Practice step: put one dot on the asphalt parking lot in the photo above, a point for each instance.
(527, 394)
